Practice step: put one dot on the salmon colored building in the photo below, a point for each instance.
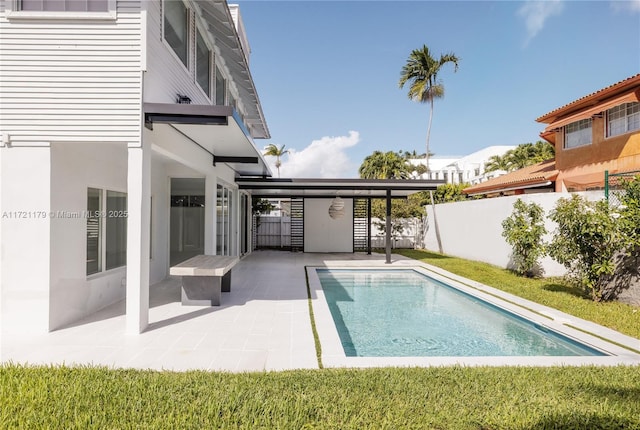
(593, 134)
(598, 132)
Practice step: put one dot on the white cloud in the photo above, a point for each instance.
(536, 13)
(626, 6)
(323, 158)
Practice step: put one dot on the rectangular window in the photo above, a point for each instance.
(94, 227)
(623, 119)
(223, 220)
(221, 88)
(203, 64)
(106, 230)
(176, 28)
(63, 5)
(116, 230)
(578, 134)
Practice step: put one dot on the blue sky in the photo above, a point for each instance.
(327, 72)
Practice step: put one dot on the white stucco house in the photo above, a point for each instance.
(464, 169)
(127, 145)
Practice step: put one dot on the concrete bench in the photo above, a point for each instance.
(204, 278)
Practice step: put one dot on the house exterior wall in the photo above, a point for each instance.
(74, 168)
(479, 237)
(622, 151)
(70, 79)
(70, 103)
(24, 239)
(323, 233)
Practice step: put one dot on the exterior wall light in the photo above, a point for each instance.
(336, 210)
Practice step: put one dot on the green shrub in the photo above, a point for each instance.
(586, 241)
(523, 230)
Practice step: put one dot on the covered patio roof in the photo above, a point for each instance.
(217, 130)
(318, 188)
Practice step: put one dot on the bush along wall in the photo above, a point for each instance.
(598, 243)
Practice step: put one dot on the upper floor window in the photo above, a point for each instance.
(61, 9)
(221, 88)
(578, 133)
(623, 119)
(63, 5)
(176, 28)
(203, 64)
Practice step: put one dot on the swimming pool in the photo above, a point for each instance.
(402, 313)
(580, 342)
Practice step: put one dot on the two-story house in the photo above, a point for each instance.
(597, 133)
(124, 125)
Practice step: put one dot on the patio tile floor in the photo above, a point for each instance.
(262, 324)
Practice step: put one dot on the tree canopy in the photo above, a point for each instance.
(521, 156)
(385, 165)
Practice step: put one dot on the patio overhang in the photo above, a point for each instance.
(329, 188)
(217, 130)
(344, 188)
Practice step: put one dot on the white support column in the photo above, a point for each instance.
(139, 217)
(211, 196)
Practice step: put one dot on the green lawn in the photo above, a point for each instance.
(431, 398)
(392, 398)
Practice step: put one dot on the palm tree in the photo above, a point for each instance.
(523, 155)
(421, 72)
(385, 165)
(275, 151)
(496, 162)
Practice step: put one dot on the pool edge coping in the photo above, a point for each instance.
(623, 348)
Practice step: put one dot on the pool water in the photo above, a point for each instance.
(403, 313)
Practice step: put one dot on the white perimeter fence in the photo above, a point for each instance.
(473, 229)
(275, 232)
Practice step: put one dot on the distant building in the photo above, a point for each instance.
(463, 169)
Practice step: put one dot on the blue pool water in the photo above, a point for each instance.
(402, 313)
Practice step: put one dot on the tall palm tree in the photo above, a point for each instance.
(421, 72)
(385, 165)
(275, 151)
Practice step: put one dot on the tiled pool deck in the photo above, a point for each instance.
(263, 324)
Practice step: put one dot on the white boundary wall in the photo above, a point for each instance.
(473, 229)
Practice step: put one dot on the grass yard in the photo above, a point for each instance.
(431, 398)
(390, 398)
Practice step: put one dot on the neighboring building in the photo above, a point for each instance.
(467, 169)
(538, 178)
(596, 133)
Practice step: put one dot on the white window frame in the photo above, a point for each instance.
(635, 110)
(579, 129)
(102, 231)
(226, 86)
(209, 93)
(185, 63)
(13, 11)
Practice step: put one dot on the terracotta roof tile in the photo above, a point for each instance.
(540, 173)
(635, 79)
